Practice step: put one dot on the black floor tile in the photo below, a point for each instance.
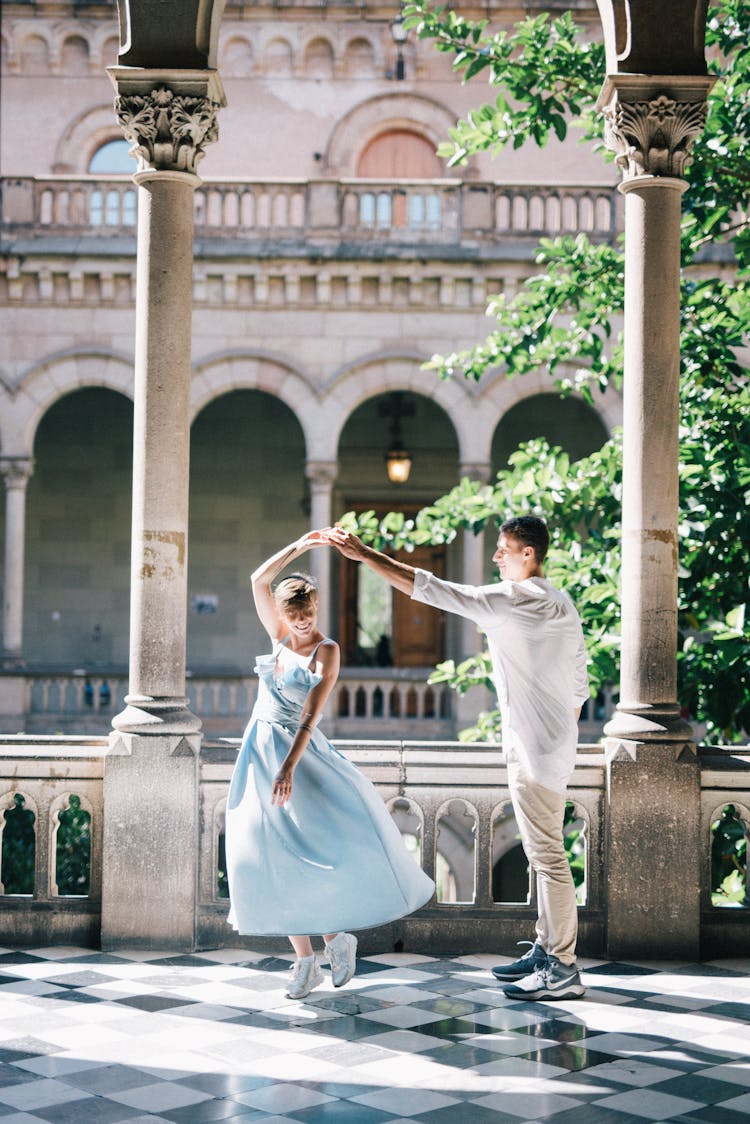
(208, 1111)
(225, 1084)
(617, 968)
(706, 1090)
(153, 1002)
(90, 1110)
(595, 1114)
(341, 1112)
(18, 957)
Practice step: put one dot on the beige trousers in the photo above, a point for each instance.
(539, 815)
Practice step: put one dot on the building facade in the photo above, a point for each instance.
(335, 253)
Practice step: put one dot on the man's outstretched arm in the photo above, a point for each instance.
(398, 574)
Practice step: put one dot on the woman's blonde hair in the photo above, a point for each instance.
(295, 592)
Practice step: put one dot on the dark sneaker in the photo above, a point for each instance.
(524, 966)
(553, 980)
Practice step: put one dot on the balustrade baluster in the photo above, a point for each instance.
(231, 217)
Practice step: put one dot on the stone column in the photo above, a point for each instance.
(14, 686)
(466, 707)
(474, 560)
(653, 782)
(151, 824)
(17, 473)
(322, 475)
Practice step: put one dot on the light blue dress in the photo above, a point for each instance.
(329, 859)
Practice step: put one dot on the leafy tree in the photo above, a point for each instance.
(565, 319)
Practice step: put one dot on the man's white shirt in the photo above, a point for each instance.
(538, 658)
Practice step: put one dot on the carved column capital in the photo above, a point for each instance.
(321, 474)
(651, 123)
(168, 116)
(476, 470)
(17, 472)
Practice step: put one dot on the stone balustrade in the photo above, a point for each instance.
(367, 703)
(450, 799)
(310, 212)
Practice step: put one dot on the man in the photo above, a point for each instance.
(539, 671)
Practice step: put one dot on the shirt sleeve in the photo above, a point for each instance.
(581, 689)
(482, 604)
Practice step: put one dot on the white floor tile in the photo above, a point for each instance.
(649, 1104)
(409, 1102)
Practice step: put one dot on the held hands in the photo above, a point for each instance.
(345, 542)
(312, 538)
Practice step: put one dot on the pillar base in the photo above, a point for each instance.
(151, 841)
(144, 714)
(14, 701)
(644, 722)
(652, 849)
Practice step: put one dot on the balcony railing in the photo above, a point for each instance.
(451, 799)
(446, 212)
(383, 703)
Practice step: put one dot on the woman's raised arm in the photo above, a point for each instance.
(262, 578)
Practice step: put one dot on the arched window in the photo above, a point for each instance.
(112, 158)
(400, 154)
(116, 205)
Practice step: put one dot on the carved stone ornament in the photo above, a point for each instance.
(168, 131)
(17, 471)
(653, 137)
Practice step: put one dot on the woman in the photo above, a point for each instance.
(311, 849)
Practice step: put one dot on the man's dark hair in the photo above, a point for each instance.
(529, 531)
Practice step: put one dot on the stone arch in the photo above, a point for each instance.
(408, 817)
(253, 370)
(108, 48)
(319, 58)
(510, 874)
(236, 54)
(379, 373)
(62, 804)
(571, 423)
(26, 805)
(52, 379)
(456, 824)
(75, 55)
(83, 136)
(35, 54)
(360, 125)
(362, 58)
(248, 485)
(498, 395)
(716, 869)
(219, 882)
(278, 58)
(506, 392)
(576, 813)
(78, 515)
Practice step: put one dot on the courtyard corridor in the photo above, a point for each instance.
(148, 1036)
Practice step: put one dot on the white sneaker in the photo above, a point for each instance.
(306, 975)
(342, 953)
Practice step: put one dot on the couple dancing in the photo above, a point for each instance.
(311, 848)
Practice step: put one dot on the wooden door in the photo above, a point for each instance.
(401, 155)
(418, 629)
(413, 632)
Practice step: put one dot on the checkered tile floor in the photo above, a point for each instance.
(87, 1036)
